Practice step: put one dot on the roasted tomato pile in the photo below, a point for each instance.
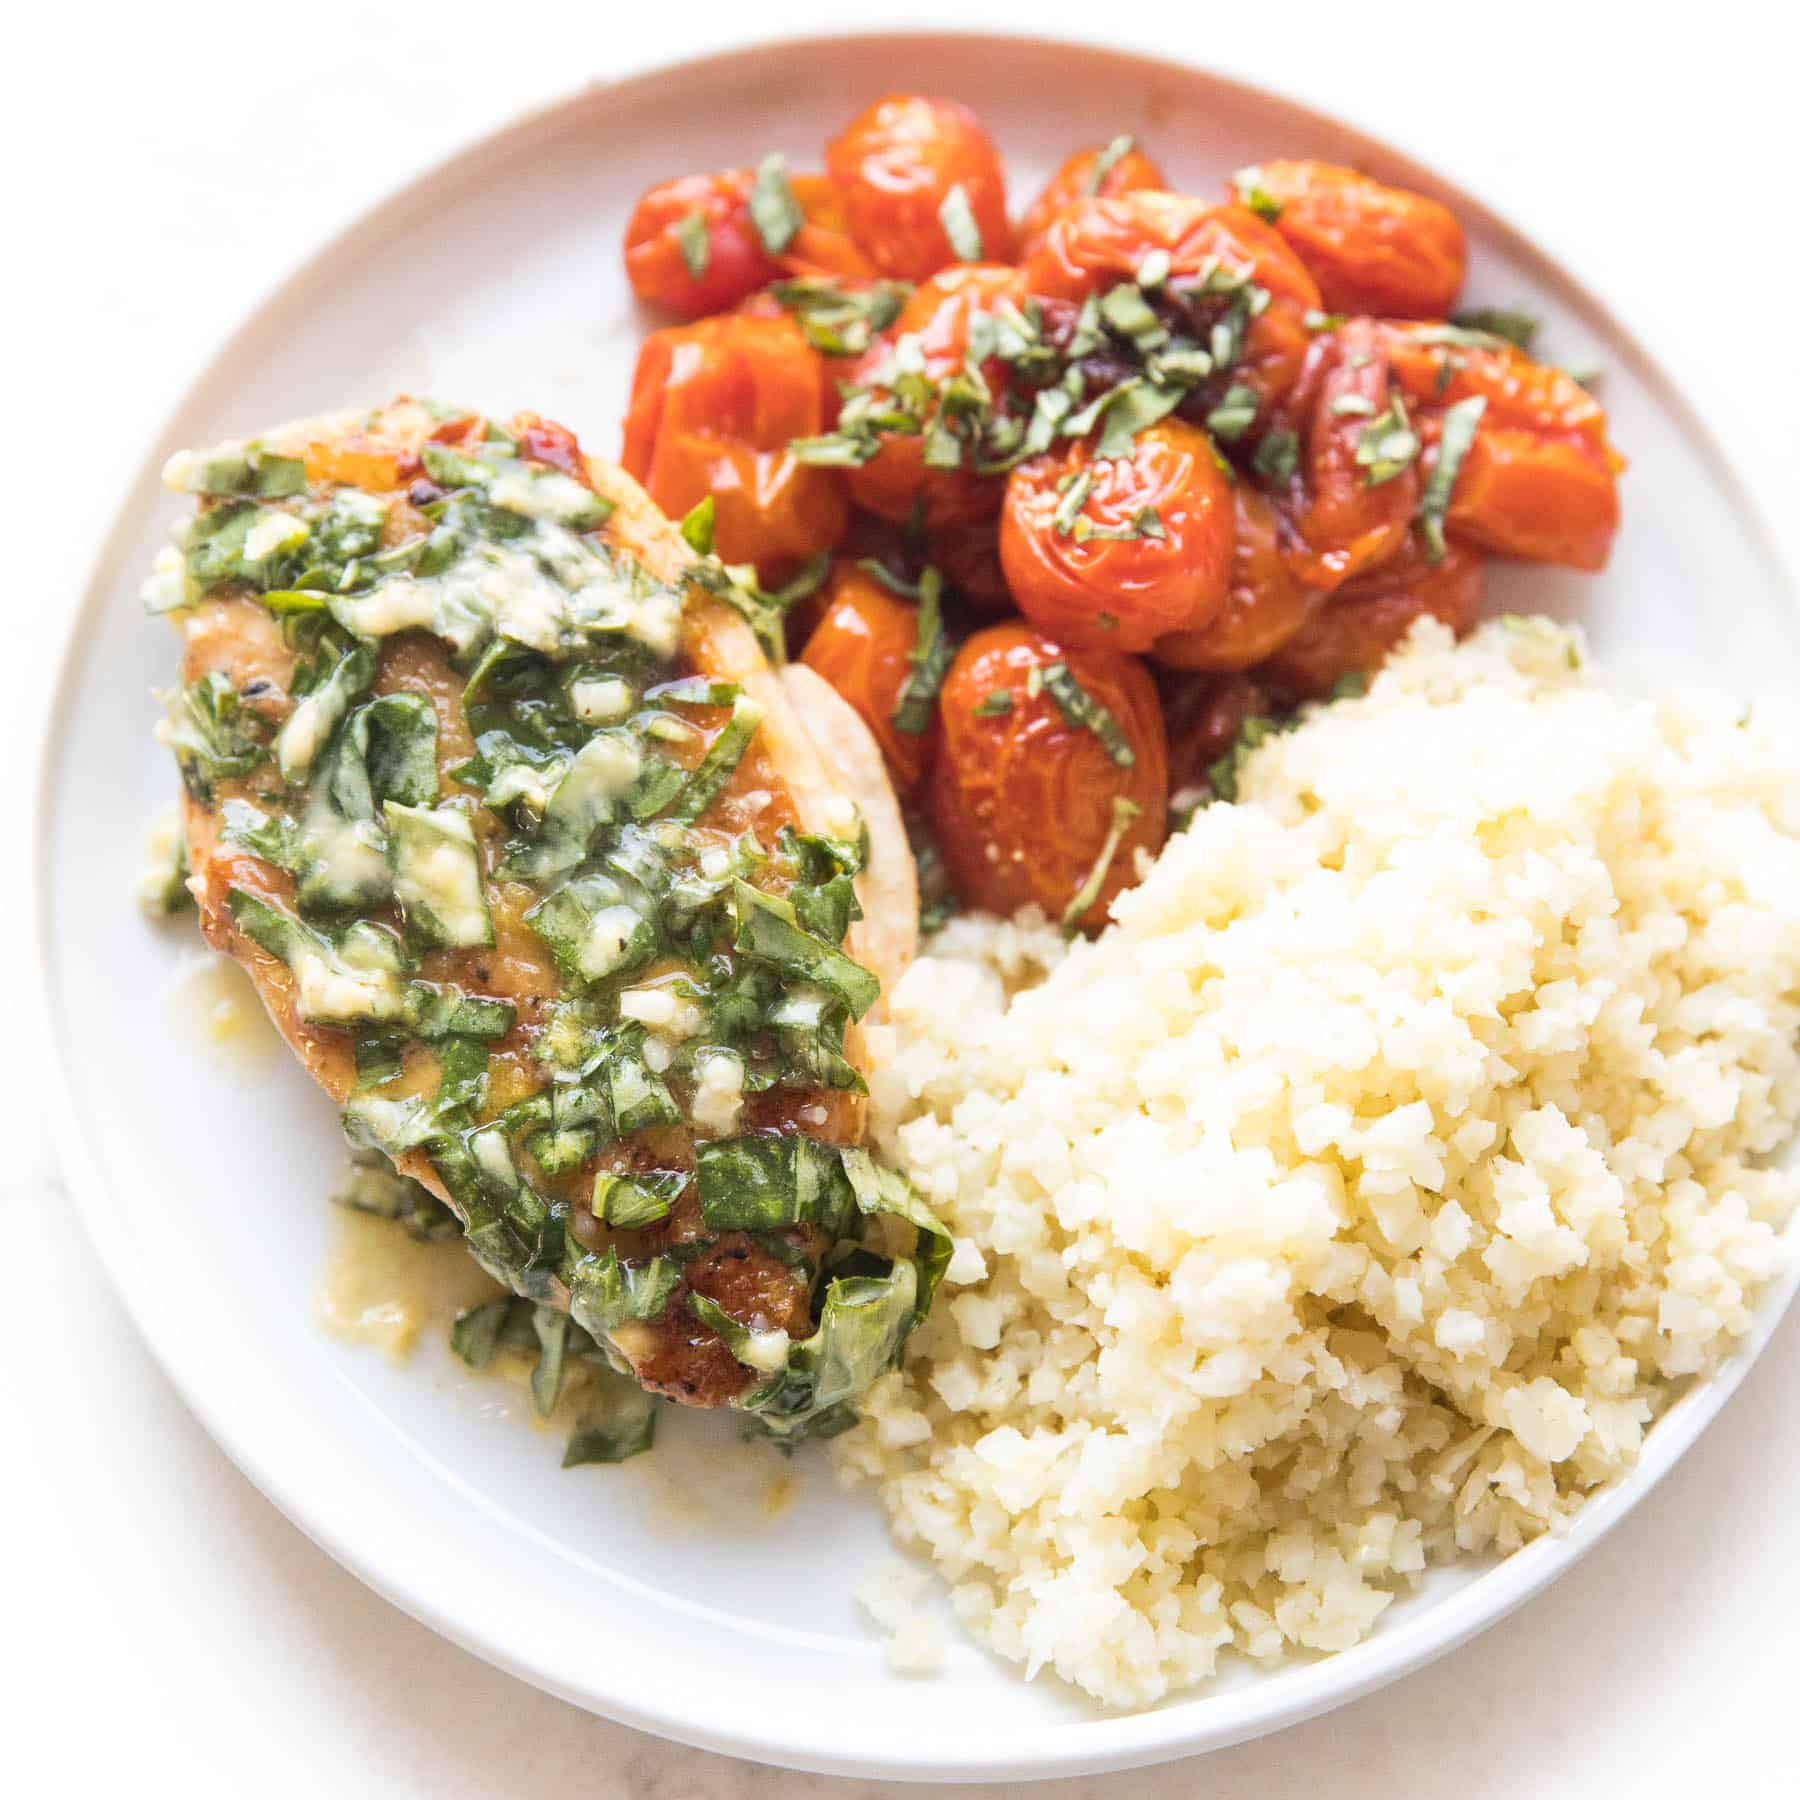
(1071, 508)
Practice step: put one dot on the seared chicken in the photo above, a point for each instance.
(552, 881)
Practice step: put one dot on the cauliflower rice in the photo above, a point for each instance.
(1359, 1199)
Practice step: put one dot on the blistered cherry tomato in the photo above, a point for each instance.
(1098, 243)
(1540, 479)
(1076, 181)
(897, 165)
(706, 218)
(1362, 462)
(1267, 602)
(935, 321)
(823, 245)
(714, 406)
(1366, 618)
(1371, 248)
(863, 646)
(1021, 798)
(1203, 715)
(1115, 552)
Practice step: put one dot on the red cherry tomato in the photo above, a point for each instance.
(1116, 552)
(897, 164)
(1021, 800)
(1371, 248)
(935, 321)
(714, 406)
(705, 218)
(863, 646)
(1077, 180)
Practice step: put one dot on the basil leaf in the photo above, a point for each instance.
(697, 526)
(839, 321)
(318, 713)
(774, 211)
(605, 1293)
(629, 1202)
(930, 659)
(766, 1182)
(379, 1190)
(1277, 456)
(957, 217)
(246, 469)
(1123, 812)
(213, 734)
(715, 770)
(1252, 193)
(1079, 708)
(1388, 445)
(437, 876)
(1108, 159)
(618, 1423)
(695, 243)
(347, 983)
(475, 1337)
(1235, 413)
(551, 1324)
(592, 930)
(883, 1190)
(768, 930)
(1510, 323)
(1460, 424)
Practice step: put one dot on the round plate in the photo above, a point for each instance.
(666, 1593)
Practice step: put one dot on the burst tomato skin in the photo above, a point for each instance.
(1351, 523)
(895, 165)
(1121, 594)
(1540, 480)
(863, 645)
(1372, 248)
(736, 262)
(1267, 602)
(1074, 182)
(1021, 801)
(937, 319)
(1364, 620)
(713, 407)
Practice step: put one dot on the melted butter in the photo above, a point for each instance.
(214, 1005)
(382, 1287)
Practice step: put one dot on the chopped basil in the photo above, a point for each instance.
(1222, 774)
(605, 1293)
(1108, 160)
(213, 734)
(1079, 708)
(710, 779)
(1123, 812)
(1460, 424)
(618, 1423)
(1249, 184)
(695, 243)
(593, 930)
(475, 1337)
(768, 930)
(1074, 498)
(1128, 409)
(774, 211)
(632, 1201)
(995, 704)
(1124, 309)
(839, 321)
(929, 660)
(1277, 456)
(958, 219)
(768, 1182)
(437, 875)
(1235, 413)
(697, 527)
(377, 1188)
(1512, 323)
(1388, 445)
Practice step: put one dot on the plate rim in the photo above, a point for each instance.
(1105, 1741)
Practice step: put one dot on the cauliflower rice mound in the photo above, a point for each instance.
(1365, 1192)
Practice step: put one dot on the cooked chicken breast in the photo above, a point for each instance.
(555, 884)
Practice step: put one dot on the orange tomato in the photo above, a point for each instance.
(896, 165)
(823, 245)
(713, 408)
(1096, 244)
(1267, 603)
(1075, 181)
(1366, 618)
(1361, 477)
(1371, 248)
(937, 318)
(1540, 479)
(1021, 799)
(863, 646)
(1124, 591)
(734, 260)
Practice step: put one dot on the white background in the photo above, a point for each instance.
(164, 1625)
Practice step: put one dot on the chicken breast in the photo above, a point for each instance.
(555, 884)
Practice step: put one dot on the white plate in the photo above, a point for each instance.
(661, 1594)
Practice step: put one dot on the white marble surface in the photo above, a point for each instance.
(164, 1624)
